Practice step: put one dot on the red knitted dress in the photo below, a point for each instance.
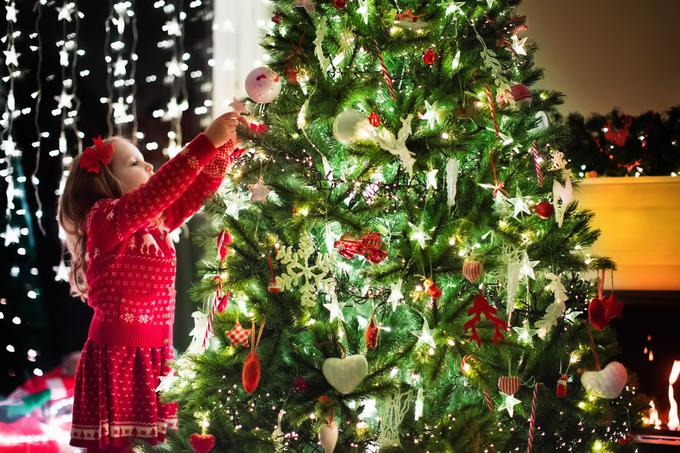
(131, 278)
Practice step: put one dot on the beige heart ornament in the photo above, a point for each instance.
(606, 383)
(345, 374)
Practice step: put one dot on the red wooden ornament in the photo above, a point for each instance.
(596, 313)
(472, 270)
(251, 372)
(429, 57)
(544, 209)
(561, 390)
(372, 332)
(250, 376)
(509, 384)
(202, 443)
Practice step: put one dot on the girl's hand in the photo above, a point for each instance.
(223, 128)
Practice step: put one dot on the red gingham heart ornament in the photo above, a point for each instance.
(508, 384)
(239, 335)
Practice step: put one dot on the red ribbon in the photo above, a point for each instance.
(96, 155)
(370, 246)
(408, 15)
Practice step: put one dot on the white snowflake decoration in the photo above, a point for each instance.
(309, 278)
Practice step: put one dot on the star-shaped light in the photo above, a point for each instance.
(431, 115)
(64, 100)
(9, 146)
(119, 67)
(172, 28)
(525, 333)
(11, 15)
(335, 309)
(419, 235)
(119, 109)
(174, 68)
(395, 294)
(174, 110)
(520, 204)
(11, 235)
(259, 190)
(455, 7)
(431, 179)
(526, 266)
(61, 272)
(509, 404)
(363, 10)
(66, 12)
(425, 336)
(11, 56)
(518, 45)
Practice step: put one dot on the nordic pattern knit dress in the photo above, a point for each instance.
(131, 287)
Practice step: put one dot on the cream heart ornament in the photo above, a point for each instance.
(606, 383)
(345, 374)
(328, 436)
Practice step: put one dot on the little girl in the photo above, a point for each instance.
(117, 214)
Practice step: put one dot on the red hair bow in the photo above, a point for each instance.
(94, 156)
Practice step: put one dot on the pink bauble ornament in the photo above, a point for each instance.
(472, 270)
(263, 85)
(606, 383)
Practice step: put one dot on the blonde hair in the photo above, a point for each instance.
(81, 191)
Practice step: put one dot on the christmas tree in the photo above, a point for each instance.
(397, 261)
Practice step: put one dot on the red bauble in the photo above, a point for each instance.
(429, 57)
(561, 390)
(374, 119)
(340, 4)
(276, 18)
(432, 289)
(251, 372)
(372, 332)
(299, 384)
(202, 443)
(596, 313)
(544, 209)
(520, 93)
(612, 307)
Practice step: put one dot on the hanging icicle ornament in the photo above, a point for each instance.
(451, 181)
(563, 195)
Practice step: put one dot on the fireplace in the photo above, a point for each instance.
(650, 341)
